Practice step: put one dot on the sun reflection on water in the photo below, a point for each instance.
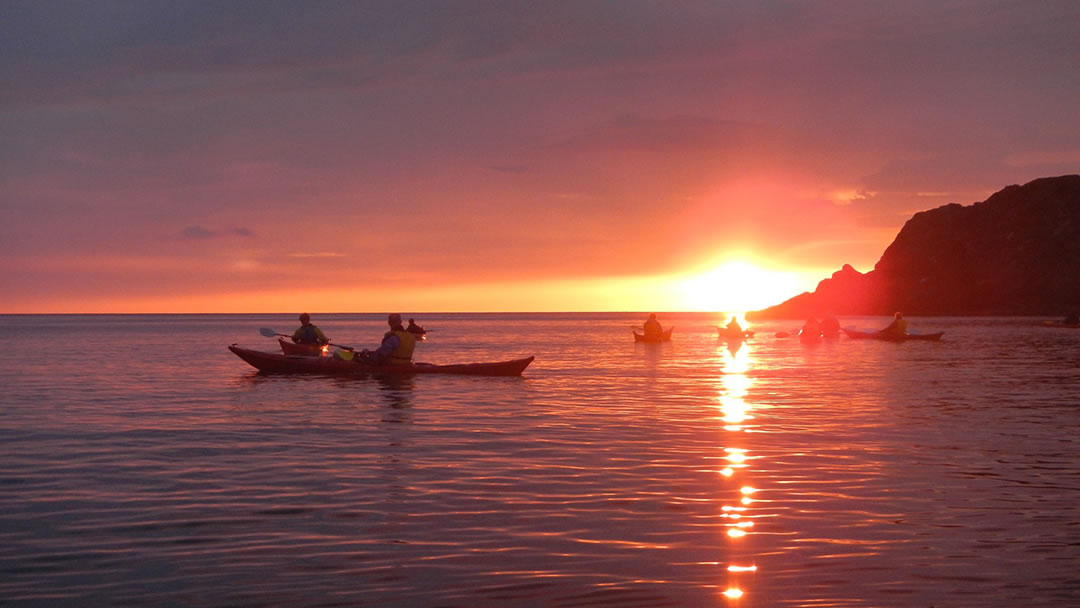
(735, 385)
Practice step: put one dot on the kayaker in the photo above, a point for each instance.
(653, 328)
(308, 333)
(811, 329)
(413, 328)
(830, 327)
(733, 327)
(897, 327)
(397, 345)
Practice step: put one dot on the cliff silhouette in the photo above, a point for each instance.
(1016, 253)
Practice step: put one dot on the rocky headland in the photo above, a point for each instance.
(1016, 253)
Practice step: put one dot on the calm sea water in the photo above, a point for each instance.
(143, 464)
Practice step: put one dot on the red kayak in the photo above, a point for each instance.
(309, 350)
(273, 363)
(891, 337)
(665, 337)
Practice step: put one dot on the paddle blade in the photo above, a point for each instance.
(266, 331)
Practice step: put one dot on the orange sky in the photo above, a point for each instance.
(273, 157)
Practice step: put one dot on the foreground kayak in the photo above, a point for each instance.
(273, 363)
(310, 350)
(665, 337)
(888, 337)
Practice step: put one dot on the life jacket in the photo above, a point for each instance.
(653, 328)
(308, 334)
(402, 355)
(901, 327)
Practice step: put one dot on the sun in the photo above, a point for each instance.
(738, 286)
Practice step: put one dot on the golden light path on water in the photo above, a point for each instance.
(736, 419)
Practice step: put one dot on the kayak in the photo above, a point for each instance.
(665, 337)
(1061, 324)
(726, 334)
(888, 337)
(309, 350)
(273, 363)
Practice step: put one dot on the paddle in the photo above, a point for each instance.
(269, 333)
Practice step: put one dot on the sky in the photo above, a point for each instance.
(503, 156)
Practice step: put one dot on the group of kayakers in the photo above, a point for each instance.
(827, 327)
(396, 348)
(398, 344)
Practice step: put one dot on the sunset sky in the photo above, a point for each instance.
(503, 156)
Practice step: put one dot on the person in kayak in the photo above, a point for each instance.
(733, 327)
(811, 330)
(898, 327)
(397, 345)
(653, 328)
(413, 328)
(830, 327)
(308, 333)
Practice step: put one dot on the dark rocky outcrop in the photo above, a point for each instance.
(1016, 253)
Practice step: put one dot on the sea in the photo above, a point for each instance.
(143, 464)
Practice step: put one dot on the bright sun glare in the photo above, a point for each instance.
(738, 286)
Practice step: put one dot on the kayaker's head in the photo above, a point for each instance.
(652, 316)
(898, 316)
(305, 318)
(394, 319)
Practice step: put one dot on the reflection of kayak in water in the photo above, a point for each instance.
(664, 337)
(891, 337)
(273, 363)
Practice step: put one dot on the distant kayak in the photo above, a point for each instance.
(1061, 324)
(727, 334)
(665, 337)
(310, 350)
(890, 337)
(273, 363)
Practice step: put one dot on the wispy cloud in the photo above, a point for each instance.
(202, 233)
(316, 254)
